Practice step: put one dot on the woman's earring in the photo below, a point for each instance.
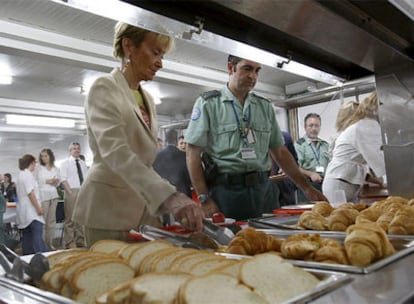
(126, 62)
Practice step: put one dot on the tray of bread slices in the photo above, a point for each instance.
(364, 248)
(393, 214)
(119, 272)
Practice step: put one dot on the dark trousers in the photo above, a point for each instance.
(32, 240)
(242, 202)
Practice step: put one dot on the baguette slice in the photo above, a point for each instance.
(217, 288)
(157, 288)
(108, 246)
(274, 279)
(93, 279)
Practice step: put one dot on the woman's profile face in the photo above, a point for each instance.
(32, 166)
(146, 59)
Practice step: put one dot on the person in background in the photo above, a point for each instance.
(160, 144)
(182, 145)
(170, 164)
(344, 113)
(357, 150)
(122, 190)
(8, 188)
(29, 212)
(3, 206)
(48, 177)
(73, 171)
(237, 128)
(313, 153)
(286, 187)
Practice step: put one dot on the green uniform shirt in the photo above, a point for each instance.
(214, 126)
(310, 156)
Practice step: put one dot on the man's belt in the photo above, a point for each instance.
(249, 179)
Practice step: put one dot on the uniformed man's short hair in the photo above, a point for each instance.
(234, 59)
(312, 115)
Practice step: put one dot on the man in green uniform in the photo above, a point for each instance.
(237, 129)
(313, 153)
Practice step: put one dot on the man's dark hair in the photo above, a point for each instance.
(313, 115)
(171, 137)
(234, 60)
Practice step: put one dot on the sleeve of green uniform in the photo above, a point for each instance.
(300, 153)
(199, 126)
(276, 137)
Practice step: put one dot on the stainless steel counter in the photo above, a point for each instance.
(392, 284)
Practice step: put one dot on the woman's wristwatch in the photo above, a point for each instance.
(202, 198)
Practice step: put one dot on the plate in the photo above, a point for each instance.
(226, 222)
(296, 207)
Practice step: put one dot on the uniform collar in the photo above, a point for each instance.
(227, 95)
(308, 140)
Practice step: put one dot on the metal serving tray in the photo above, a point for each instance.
(330, 281)
(403, 247)
(289, 223)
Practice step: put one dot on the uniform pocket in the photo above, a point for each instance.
(227, 136)
(262, 132)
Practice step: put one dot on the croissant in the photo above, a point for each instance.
(411, 202)
(370, 214)
(322, 208)
(341, 218)
(331, 254)
(366, 243)
(313, 221)
(301, 246)
(385, 219)
(403, 221)
(249, 241)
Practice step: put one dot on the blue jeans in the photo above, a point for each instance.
(32, 241)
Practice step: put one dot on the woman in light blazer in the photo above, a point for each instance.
(122, 190)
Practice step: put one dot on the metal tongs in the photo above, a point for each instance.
(222, 235)
(15, 267)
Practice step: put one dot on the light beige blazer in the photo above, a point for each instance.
(121, 186)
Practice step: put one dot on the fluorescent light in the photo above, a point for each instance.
(405, 6)
(4, 79)
(27, 120)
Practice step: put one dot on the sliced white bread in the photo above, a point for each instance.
(149, 262)
(93, 279)
(120, 294)
(274, 279)
(125, 251)
(232, 269)
(157, 288)
(209, 265)
(108, 246)
(138, 254)
(163, 263)
(59, 256)
(184, 263)
(217, 288)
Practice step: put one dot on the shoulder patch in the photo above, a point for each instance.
(196, 113)
(300, 141)
(260, 97)
(211, 94)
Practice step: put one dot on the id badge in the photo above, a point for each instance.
(319, 169)
(248, 153)
(251, 136)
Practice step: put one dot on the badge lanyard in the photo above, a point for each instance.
(314, 153)
(244, 134)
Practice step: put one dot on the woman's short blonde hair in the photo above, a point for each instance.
(137, 35)
(345, 111)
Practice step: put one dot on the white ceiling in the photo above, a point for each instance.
(51, 49)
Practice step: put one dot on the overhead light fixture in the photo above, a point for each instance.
(405, 6)
(4, 79)
(39, 121)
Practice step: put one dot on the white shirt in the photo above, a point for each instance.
(69, 172)
(357, 148)
(25, 211)
(47, 191)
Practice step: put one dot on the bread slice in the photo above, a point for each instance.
(217, 288)
(184, 263)
(125, 251)
(108, 246)
(163, 263)
(161, 287)
(93, 279)
(59, 256)
(136, 256)
(274, 279)
(149, 262)
(208, 265)
(120, 294)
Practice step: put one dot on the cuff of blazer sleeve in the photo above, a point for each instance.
(158, 197)
(174, 202)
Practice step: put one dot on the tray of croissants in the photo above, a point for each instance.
(364, 248)
(393, 214)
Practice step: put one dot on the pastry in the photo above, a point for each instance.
(312, 220)
(341, 218)
(301, 246)
(403, 221)
(322, 208)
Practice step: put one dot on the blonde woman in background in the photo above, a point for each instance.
(122, 190)
(29, 212)
(357, 149)
(48, 177)
(344, 113)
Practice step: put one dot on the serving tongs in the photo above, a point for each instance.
(15, 267)
(221, 235)
(196, 240)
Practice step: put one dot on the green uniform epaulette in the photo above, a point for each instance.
(260, 97)
(211, 94)
(300, 141)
